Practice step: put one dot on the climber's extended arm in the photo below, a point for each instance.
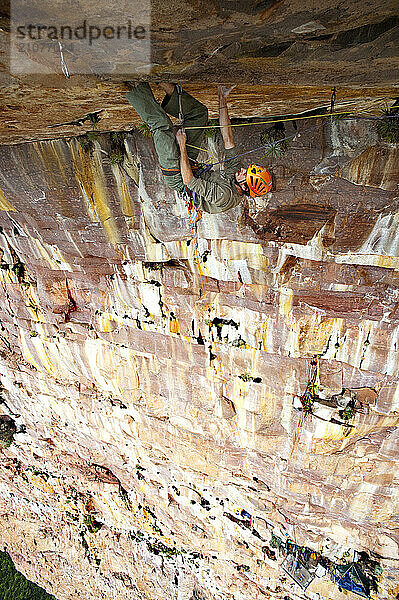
(185, 168)
(224, 119)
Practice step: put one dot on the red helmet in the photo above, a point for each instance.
(259, 180)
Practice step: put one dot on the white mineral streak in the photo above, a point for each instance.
(384, 238)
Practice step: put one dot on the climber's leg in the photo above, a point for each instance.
(143, 101)
(195, 114)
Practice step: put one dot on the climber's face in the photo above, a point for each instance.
(241, 175)
(241, 180)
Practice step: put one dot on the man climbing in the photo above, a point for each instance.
(212, 191)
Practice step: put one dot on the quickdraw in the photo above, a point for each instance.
(312, 389)
(333, 98)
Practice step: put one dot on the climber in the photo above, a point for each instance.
(214, 192)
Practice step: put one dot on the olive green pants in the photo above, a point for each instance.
(156, 116)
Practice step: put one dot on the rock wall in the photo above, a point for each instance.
(160, 451)
(285, 56)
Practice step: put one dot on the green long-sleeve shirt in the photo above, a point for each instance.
(216, 190)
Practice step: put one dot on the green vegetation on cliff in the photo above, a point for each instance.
(14, 586)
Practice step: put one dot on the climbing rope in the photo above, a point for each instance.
(206, 167)
(299, 118)
(288, 137)
(202, 149)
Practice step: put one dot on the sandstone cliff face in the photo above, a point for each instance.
(162, 456)
(159, 454)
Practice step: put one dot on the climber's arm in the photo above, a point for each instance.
(185, 168)
(224, 119)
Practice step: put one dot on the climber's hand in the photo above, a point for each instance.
(225, 91)
(181, 137)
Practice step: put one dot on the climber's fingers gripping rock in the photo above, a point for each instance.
(225, 91)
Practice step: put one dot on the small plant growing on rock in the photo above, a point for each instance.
(154, 266)
(239, 343)
(348, 412)
(116, 157)
(85, 143)
(19, 270)
(92, 525)
(8, 429)
(117, 153)
(117, 138)
(248, 377)
(212, 128)
(388, 127)
(91, 136)
(245, 377)
(273, 138)
(144, 129)
(94, 119)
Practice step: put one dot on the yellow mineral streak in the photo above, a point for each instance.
(51, 159)
(332, 431)
(265, 336)
(375, 260)
(90, 176)
(26, 352)
(252, 253)
(4, 203)
(107, 322)
(124, 196)
(174, 325)
(112, 504)
(112, 372)
(315, 333)
(44, 351)
(52, 255)
(33, 304)
(285, 300)
(39, 483)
